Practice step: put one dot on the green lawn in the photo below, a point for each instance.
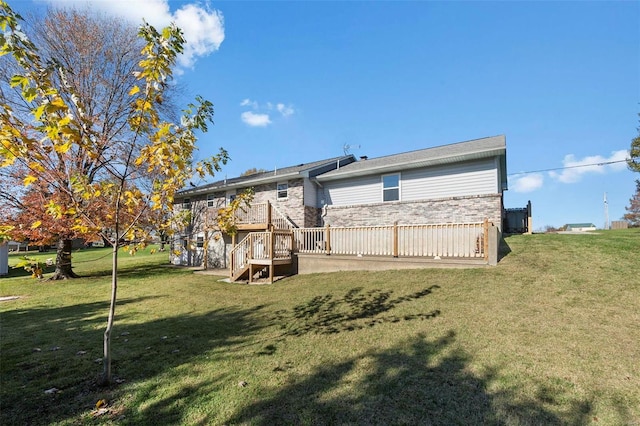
(549, 336)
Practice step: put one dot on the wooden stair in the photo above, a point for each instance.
(260, 251)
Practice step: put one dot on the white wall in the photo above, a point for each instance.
(455, 180)
(4, 259)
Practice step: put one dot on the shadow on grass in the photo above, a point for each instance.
(416, 382)
(503, 248)
(138, 271)
(355, 310)
(60, 349)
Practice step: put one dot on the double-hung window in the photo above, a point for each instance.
(282, 191)
(231, 195)
(391, 187)
(211, 200)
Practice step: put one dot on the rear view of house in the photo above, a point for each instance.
(461, 183)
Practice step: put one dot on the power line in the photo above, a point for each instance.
(568, 167)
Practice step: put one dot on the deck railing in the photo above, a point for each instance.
(263, 213)
(466, 240)
(260, 246)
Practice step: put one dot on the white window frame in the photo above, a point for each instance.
(186, 204)
(279, 190)
(211, 200)
(230, 196)
(384, 189)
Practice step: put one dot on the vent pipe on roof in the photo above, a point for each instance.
(364, 157)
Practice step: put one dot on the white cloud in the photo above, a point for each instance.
(255, 120)
(526, 182)
(285, 110)
(576, 168)
(262, 119)
(249, 102)
(202, 25)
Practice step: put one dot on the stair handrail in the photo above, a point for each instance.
(283, 218)
(238, 256)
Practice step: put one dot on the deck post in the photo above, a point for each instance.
(485, 233)
(395, 239)
(327, 235)
(272, 246)
(269, 225)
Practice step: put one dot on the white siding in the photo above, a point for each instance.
(310, 194)
(362, 190)
(456, 180)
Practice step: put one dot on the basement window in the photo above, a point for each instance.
(391, 187)
(282, 191)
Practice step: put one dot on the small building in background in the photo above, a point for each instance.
(4, 258)
(580, 227)
(619, 224)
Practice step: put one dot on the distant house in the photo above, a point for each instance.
(4, 258)
(451, 184)
(580, 227)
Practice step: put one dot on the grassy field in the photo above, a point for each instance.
(549, 336)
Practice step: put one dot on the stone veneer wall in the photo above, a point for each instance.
(312, 217)
(292, 206)
(441, 210)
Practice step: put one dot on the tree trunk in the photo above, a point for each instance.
(63, 261)
(106, 376)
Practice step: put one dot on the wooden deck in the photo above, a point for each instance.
(456, 245)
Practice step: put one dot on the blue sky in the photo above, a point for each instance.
(295, 82)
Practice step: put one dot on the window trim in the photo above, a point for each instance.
(186, 204)
(397, 188)
(211, 200)
(285, 190)
(229, 196)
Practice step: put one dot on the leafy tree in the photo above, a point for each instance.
(99, 56)
(634, 153)
(134, 177)
(633, 215)
(252, 171)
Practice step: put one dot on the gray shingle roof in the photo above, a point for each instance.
(445, 154)
(300, 170)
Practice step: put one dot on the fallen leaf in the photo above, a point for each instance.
(52, 391)
(101, 403)
(99, 412)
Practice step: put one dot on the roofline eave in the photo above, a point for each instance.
(413, 165)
